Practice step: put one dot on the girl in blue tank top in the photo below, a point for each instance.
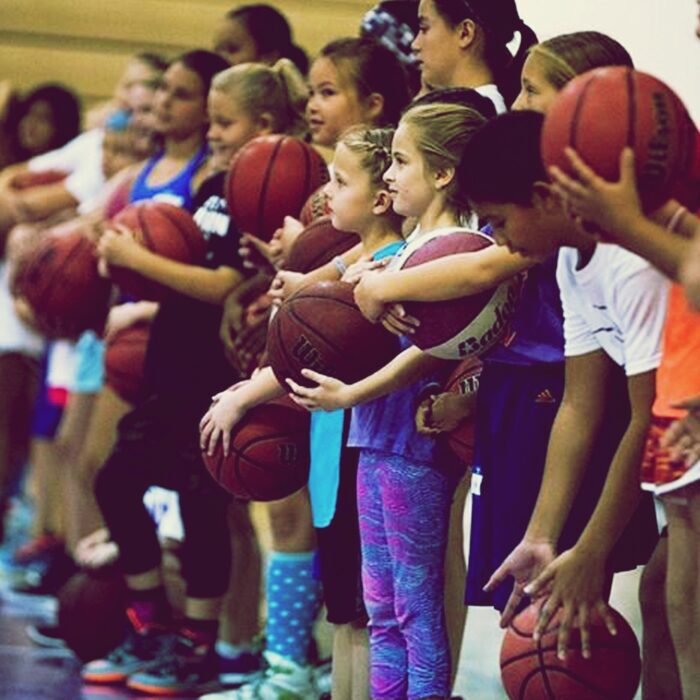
(181, 121)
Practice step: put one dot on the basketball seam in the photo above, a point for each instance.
(316, 332)
(632, 109)
(185, 238)
(573, 140)
(541, 666)
(260, 218)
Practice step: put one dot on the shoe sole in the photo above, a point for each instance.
(104, 678)
(210, 686)
(43, 641)
(237, 679)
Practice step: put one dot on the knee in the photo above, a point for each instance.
(290, 526)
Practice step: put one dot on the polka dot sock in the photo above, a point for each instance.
(293, 601)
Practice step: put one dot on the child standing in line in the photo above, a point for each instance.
(406, 480)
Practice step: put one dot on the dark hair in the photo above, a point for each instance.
(467, 97)
(65, 113)
(153, 60)
(205, 64)
(499, 20)
(371, 68)
(501, 162)
(271, 32)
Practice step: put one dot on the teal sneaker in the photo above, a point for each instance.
(284, 680)
(182, 668)
(138, 650)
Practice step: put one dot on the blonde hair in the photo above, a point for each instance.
(440, 132)
(568, 55)
(279, 91)
(372, 147)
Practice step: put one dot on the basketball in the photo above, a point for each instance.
(318, 244)
(92, 613)
(60, 281)
(29, 178)
(269, 178)
(320, 328)
(125, 354)
(163, 229)
(604, 110)
(269, 455)
(316, 206)
(532, 671)
(459, 328)
(464, 380)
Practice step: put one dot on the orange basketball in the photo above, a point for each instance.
(269, 454)
(464, 380)
(318, 244)
(164, 229)
(269, 178)
(604, 110)
(125, 354)
(532, 671)
(60, 281)
(320, 327)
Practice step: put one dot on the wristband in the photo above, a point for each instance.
(340, 265)
(676, 218)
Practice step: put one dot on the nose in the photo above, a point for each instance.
(388, 176)
(519, 102)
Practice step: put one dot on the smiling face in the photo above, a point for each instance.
(230, 128)
(233, 42)
(410, 183)
(179, 105)
(436, 47)
(352, 196)
(333, 105)
(536, 92)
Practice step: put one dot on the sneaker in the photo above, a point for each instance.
(243, 667)
(284, 680)
(182, 668)
(136, 652)
(47, 636)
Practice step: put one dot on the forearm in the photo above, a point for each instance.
(329, 272)
(211, 286)
(570, 447)
(405, 369)
(38, 203)
(620, 496)
(263, 387)
(452, 277)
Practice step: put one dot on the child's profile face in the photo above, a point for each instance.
(179, 105)
(528, 230)
(408, 179)
(350, 192)
(333, 105)
(436, 47)
(536, 92)
(230, 128)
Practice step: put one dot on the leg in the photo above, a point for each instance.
(359, 646)
(660, 679)
(388, 653)
(683, 584)
(416, 500)
(455, 575)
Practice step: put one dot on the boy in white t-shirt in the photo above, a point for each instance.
(614, 308)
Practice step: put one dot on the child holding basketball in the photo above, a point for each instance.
(670, 466)
(157, 442)
(405, 479)
(360, 202)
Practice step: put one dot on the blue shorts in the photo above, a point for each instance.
(89, 370)
(516, 408)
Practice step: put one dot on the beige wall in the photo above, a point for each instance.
(85, 43)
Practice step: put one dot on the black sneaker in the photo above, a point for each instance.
(47, 636)
(182, 668)
(61, 568)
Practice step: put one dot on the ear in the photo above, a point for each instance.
(374, 106)
(544, 197)
(382, 203)
(443, 177)
(466, 33)
(264, 123)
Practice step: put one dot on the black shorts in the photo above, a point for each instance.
(339, 549)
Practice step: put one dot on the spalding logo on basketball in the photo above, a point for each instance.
(466, 327)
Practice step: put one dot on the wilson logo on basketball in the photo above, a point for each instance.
(307, 355)
(657, 163)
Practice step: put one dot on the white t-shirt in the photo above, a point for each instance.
(82, 159)
(14, 335)
(616, 303)
(492, 92)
